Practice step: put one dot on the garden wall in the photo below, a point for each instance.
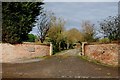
(104, 53)
(23, 51)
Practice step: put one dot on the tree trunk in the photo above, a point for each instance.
(59, 46)
(67, 45)
(41, 40)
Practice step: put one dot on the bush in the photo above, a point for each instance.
(104, 40)
(31, 38)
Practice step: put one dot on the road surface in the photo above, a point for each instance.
(58, 66)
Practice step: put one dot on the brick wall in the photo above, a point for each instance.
(23, 51)
(105, 53)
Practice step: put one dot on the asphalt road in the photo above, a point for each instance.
(58, 67)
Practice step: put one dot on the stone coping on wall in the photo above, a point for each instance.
(34, 43)
(93, 43)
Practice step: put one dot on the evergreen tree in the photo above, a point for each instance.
(18, 19)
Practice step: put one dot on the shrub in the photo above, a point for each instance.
(31, 38)
(104, 40)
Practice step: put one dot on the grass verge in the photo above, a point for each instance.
(95, 61)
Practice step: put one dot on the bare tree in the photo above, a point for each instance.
(88, 31)
(43, 24)
(110, 27)
(56, 34)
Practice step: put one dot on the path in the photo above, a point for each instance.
(71, 52)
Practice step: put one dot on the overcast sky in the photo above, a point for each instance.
(76, 12)
(80, 0)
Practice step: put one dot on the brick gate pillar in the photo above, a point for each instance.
(83, 48)
(51, 49)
